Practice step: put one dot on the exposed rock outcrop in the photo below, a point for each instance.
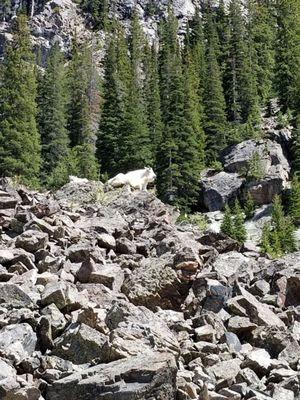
(106, 297)
(234, 182)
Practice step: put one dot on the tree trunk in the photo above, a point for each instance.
(32, 9)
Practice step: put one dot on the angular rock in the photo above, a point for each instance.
(154, 284)
(259, 361)
(13, 296)
(240, 325)
(80, 344)
(62, 295)
(139, 377)
(258, 313)
(106, 241)
(225, 369)
(32, 241)
(56, 318)
(136, 330)
(229, 264)
(219, 189)
(17, 342)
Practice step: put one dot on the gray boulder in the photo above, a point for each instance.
(141, 377)
(220, 188)
(274, 164)
(153, 284)
(137, 330)
(32, 240)
(80, 344)
(13, 296)
(17, 342)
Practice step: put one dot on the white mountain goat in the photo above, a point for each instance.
(75, 179)
(138, 179)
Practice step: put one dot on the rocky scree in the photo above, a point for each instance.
(112, 300)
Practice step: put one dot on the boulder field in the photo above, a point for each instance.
(104, 296)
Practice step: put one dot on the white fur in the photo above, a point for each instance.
(138, 179)
(75, 179)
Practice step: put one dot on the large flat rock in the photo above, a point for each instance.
(140, 378)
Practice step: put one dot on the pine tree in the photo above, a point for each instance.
(227, 226)
(19, 139)
(261, 16)
(115, 90)
(152, 99)
(172, 104)
(239, 234)
(278, 238)
(135, 147)
(82, 136)
(249, 207)
(242, 97)
(196, 46)
(288, 51)
(98, 9)
(215, 123)
(294, 208)
(52, 114)
(296, 146)
(180, 156)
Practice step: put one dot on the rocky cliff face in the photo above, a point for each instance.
(104, 296)
(57, 20)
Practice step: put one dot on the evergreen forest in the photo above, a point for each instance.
(173, 103)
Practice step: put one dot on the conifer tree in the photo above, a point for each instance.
(261, 17)
(296, 146)
(79, 125)
(52, 114)
(294, 208)
(98, 9)
(278, 238)
(19, 137)
(172, 104)
(196, 46)
(135, 147)
(179, 158)
(115, 91)
(152, 99)
(249, 206)
(288, 51)
(215, 123)
(233, 223)
(239, 234)
(227, 226)
(241, 97)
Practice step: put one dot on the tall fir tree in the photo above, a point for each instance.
(179, 158)
(294, 203)
(296, 146)
(20, 151)
(115, 91)
(52, 114)
(152, 99)
(241, 95)
(287, 51)
(135, 146)
(172, 103)
(262, 32)
(82, 137)
(215, 122)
